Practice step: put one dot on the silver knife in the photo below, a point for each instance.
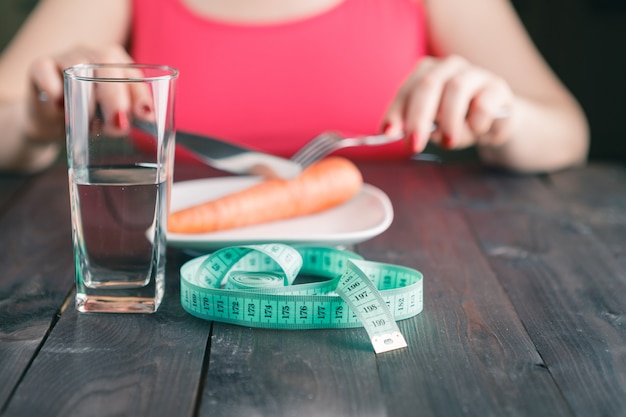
(227, 156)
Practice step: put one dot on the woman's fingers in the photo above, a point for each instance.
(121, 102)
(142, 99)
(489, 117)
(45, 121)
(461, 100)
(47, 84)
(112, 100)
(427, 87)
(115, 102)
(459, 92)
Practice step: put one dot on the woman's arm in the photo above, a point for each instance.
(33, 130)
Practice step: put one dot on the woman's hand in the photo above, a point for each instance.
(45, 114)
(452, 103)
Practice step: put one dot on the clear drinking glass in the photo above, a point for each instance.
(120, 180)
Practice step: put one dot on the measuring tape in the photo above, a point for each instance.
(252, 286)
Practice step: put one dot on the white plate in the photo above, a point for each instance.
(366, 215)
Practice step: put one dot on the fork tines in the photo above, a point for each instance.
(316, 148)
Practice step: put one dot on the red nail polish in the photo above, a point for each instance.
(446, 142)
(385, 127)
(121, 120)
(415, 142)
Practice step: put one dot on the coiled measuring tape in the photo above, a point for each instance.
(252, 286)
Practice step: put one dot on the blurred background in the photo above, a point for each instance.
(583, 41)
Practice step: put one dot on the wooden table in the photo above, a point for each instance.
(525, 312)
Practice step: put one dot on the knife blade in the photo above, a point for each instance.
(229, 157)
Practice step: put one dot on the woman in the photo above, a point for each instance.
(274, 73)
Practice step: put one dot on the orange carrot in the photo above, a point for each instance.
(323, 185)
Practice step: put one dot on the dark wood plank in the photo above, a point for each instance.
(597, 195)
(524, 314)
(36, 270)
(118, 364)
(468, 352)
(258, 372)
(84, 364)
(566, 286)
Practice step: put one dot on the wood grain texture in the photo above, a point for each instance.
(95, 365)
(468, 352)
(566, 285)
(524, 312)
(118, 364)
(258, 372)
(36, 276)
(596, 197)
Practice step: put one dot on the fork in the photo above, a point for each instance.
(327, 142)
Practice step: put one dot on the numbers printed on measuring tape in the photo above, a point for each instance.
(371, 308)
(252, 286)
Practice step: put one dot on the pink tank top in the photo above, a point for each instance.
(273, 87)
